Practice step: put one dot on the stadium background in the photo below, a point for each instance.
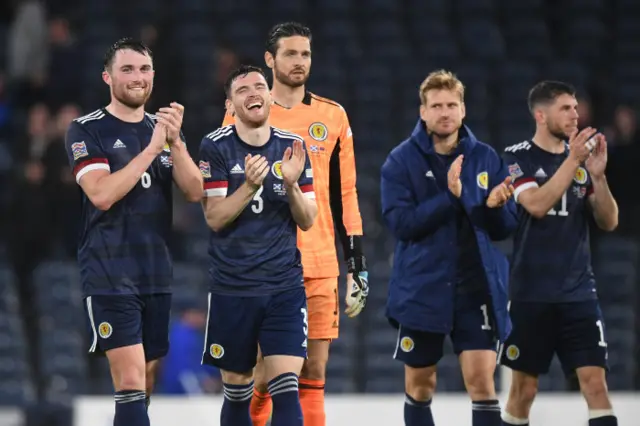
(369, 55)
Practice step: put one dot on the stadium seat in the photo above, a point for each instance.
(331, 8)
(432, 8)
(482, 40)
(435, 40)
(528, 39)
(585, 38)
(517, 78)
(524, 7)
(586, 7)
(15, 392)
(475, 8)
(567, 70)
(389, 8)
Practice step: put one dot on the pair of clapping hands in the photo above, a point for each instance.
(168, 125)
(256, 167)
(498, 195)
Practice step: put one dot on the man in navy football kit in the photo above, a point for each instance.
(258, 189)
(125, 161)
(445, 197)
(554, 306)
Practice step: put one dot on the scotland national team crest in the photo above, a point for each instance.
(216, 351)
(513, 352)
(407, 344)
(105, 330)
(205, 169)
(79, 150)
(166, 161)
(276, 169)
(581, 176)
(318, 131)
(483, 180)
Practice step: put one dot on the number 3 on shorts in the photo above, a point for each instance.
(305, 321)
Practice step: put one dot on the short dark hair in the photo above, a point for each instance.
(287, 29)
(547, 91)
(126, 43)
(241, 71)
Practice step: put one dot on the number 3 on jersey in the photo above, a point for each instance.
(259, 202)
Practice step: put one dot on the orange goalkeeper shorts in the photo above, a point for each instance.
(323, 307)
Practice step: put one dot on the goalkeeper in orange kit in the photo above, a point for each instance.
(325, 128)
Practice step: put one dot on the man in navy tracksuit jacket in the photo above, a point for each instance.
(445, 197)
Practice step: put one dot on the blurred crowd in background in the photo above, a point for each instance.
(50, 66)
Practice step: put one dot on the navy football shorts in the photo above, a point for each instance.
(574, 331)
(473, 329)
(124, 320)
(237, 324)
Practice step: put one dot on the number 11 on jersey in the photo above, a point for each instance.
(563, 208)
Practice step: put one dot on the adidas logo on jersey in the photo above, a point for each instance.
(119, 144)
(429, 174)
(236, 169)
(540, 173)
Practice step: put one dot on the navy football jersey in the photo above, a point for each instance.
(123, 250)
(257, 253)
(551, 256)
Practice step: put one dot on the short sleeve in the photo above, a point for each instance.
(84, 151)
(522, 175)
(305, 182)
(214, 169)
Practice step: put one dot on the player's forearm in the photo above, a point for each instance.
(539, 201)
(113, 187)
(221, 212)
(186, 174)
(605, 208)
(303, 209)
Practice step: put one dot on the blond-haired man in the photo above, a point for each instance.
(445, 197)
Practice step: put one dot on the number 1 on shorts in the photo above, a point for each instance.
(602, 342)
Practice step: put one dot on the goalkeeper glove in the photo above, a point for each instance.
(357, 285)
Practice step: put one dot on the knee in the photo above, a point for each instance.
(594, 389)
(131, 377)
(524, 391)
(314, 368)
(233, 378)
(480, 385)
(420, 383)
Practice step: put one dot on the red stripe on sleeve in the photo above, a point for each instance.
(519, 182)
(85, 163)
(216, 184)
(307, 188)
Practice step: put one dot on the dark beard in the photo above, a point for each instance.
(284, 79)
(558, 134)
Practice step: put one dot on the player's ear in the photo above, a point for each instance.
(463, 111)
(539, 115)
(106, 77)
(229, 106)
(423, 112)
(268, 59)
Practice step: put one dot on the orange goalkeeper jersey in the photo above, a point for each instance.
(325, 128)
